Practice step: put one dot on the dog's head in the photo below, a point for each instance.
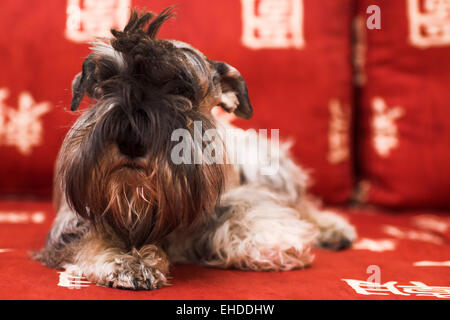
(115, 165)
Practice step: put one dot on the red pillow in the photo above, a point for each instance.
(294, 55)
(404, 116)
(37, 65)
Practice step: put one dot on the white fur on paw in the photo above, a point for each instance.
(335, 233)
(268, 237)
(143, 269)
(276, 259)
(73, 270)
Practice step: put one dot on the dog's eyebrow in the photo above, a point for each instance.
(200, 63)
(105, 50)
(180, 44)
(195, 59)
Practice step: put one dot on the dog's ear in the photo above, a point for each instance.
(234, 90)
(83, 82)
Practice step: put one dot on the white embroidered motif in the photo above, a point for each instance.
(375, 245)
(90, 19)
(432, 264)
(338, 132)
(14, 217)
(417, 288)
(422, 290)
(432, 223)
(272, 24)
(373, 288)
(384, 127)
(21, 127)
(72, 282)
(5, 250)
(429, 23)
(412, 235)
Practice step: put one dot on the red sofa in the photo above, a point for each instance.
(366, 108)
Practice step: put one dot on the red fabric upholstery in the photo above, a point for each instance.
(291, 88)
(412, 237)
(404, 116)
(304, 89)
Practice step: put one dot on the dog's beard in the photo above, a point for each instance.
(142, 205)
(130, 203)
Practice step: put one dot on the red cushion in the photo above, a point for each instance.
(300, 84)
(404, 117)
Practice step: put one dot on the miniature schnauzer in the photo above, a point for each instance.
(126, 211)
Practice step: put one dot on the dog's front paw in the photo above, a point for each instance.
(335, 233)
(144, 269)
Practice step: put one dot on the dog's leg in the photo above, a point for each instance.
(335, 233)
(250, 230)
(67, 230)
(290, 183)
(74, 245)
(103, 260)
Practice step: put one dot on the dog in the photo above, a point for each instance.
(126, 211)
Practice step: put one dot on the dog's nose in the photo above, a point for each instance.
(130, 149)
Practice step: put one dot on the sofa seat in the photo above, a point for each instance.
(407, 253)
